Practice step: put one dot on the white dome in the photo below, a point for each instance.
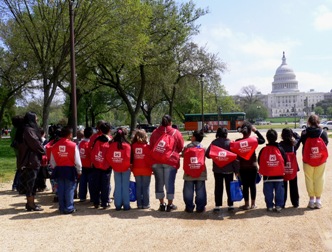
(284, 79)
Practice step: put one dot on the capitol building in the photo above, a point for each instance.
(285, 98)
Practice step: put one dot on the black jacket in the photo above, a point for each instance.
(252, 162)
(231, 167)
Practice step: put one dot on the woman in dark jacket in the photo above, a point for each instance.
(222, 173)
(248, 168)
(30, 151)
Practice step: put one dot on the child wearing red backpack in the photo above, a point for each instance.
(223, 172)
(101, 169)
(141, 167)
(65, 159)
(194, 174)
(85, 154)
(118, 156)
(248, 163)
(289, 144)
(314, 155)
(272, 160)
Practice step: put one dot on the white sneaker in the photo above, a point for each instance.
(318, 205)
(311, 205)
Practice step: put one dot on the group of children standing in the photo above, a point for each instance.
(276, 163)
(100, 154)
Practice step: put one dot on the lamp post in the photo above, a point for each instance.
(294, 109)
(258, 110)
(219, 115)
(72, 68)
(202, 100)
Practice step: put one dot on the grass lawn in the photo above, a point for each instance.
(7, 161)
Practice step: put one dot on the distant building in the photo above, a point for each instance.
(286, 99)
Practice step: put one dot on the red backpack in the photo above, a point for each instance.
(244, 147)
(291, 166)
(271, 162)
(194, 161)
(315, 152)
(221, 156)
(119, 159)
(98, 155)
(162, 151)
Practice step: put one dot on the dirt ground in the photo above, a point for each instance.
(90, 229)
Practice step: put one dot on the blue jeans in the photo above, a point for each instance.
(121, 190)
(100, 186)
(188, 194)
(66, 189)
(165, 176)
(143, 190)
(85, 183)
(271, 188)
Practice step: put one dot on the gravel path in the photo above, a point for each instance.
(90, 229)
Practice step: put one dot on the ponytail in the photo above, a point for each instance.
(166, 120)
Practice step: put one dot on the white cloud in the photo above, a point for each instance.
(317, 81)
(323, 18)
(239, 44)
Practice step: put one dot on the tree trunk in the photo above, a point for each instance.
(171, 101)
(49, 92)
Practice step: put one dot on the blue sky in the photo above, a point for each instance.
(251, 35)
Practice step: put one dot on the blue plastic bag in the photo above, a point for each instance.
(258, 178)
(132, 191)
(236, 191)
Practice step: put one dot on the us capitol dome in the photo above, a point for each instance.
(285, 98)
(284, 79)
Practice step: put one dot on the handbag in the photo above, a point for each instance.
(132, 191)
(236, 191)
(46, 171)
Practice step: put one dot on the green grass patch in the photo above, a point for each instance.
(7, 161)
(282, 119)
(277, 126)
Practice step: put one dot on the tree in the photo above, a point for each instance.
(329, 111)
(324, 104)
(14, 79)
(249, 96)
(319, 110)
(254, 112)
(118, 64)
(170, 29)
(41, 30)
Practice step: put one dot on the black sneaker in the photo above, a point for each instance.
(107, 206)
(188, 210)
(171, 208)
(217, 209)
(162, 207)
(200, 210)
(231, 209)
